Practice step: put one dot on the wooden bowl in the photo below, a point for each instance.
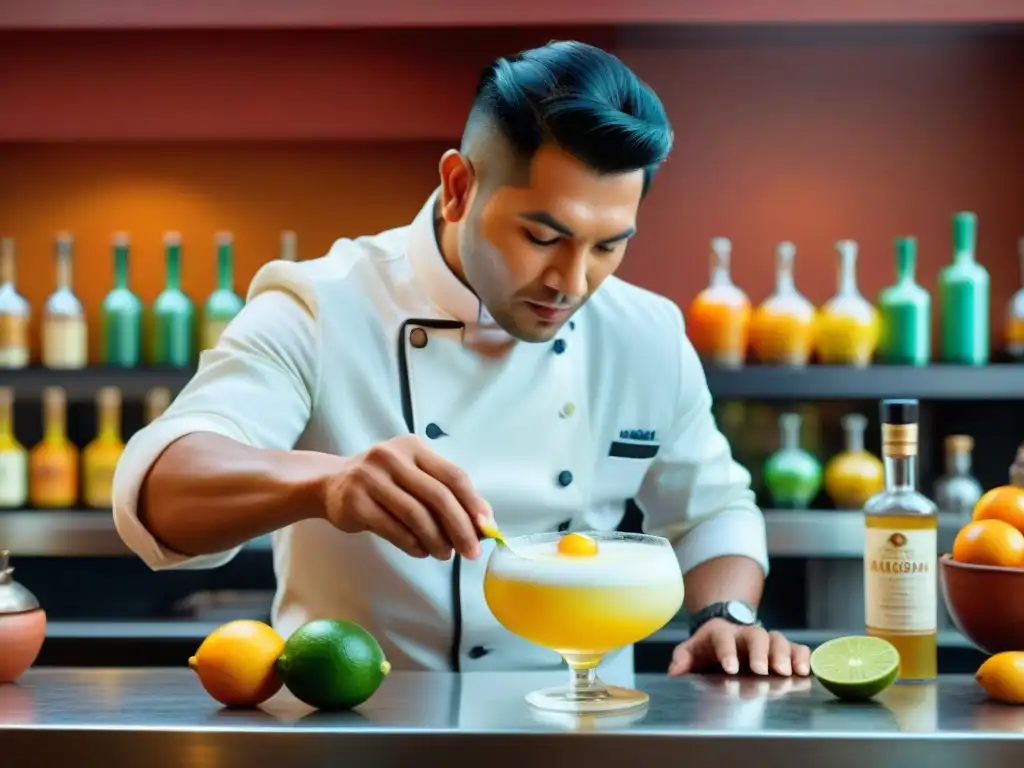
(986, 603)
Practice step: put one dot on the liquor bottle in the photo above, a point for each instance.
(99, 458)
(173, 313)
(122, 313)
(905, 309)
(156, 402)
(718, 318)
(15, 311)
(13, 457)
(53, 463)
(223, 304)
(65, 340)
(1017, 468)
(791, 474)
(782, 327)
(901, 550)
(1015, 314)
(964, 298)
(855, 475)
(289, 246)
(957, 491)
(848, 326)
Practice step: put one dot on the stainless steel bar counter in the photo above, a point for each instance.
(158, 718)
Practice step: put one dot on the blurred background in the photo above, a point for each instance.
(153, 157)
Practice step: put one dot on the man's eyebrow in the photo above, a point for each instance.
(545, 218)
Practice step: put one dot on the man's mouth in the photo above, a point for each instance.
(549, 313)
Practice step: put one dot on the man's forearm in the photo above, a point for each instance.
(723, 578)
(207, 493)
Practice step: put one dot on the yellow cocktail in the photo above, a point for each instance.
(584, 595)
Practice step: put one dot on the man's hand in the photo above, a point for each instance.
(720, 642)
(407, 494)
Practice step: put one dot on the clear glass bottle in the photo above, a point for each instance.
(13, 457)
(957, 491)
(848, 325)
(289, 246)
(100, 457)
(53, 462)
(964, 298)
(1015, 314)
(718, 318)
(905, 310)
(122, 313)
(223, 304)
(15, 311)
(173, 313)
(855, 475)
(791, 474)
(65, 336)
(782, 327)
(901, 551)
(157, 401)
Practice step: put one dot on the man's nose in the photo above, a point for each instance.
(568, 276)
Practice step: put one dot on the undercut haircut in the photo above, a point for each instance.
(580, 98)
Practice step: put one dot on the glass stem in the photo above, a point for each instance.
(584, 684)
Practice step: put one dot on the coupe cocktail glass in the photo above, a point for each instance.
(584, 606)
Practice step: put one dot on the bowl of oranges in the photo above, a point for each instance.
(983, 578)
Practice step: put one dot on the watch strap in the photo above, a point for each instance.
(720, 610)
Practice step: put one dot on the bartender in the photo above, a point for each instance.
(372, 407)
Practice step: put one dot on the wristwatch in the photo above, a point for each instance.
(736, 611)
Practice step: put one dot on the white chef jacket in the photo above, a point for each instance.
(338, 353)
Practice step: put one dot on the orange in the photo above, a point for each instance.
(577, 545)
(236, 663)
(1004, 503)
(1002, 677)
(989, 542)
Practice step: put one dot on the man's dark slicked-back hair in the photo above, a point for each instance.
(580, 98)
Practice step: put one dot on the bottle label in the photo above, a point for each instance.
(13, 479)
(54, 481)
(65, 342)
(900, 583)
(13, 341)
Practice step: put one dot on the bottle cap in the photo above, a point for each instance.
(899, 411)
(959, 444)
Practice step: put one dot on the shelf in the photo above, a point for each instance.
(935, 382)
(221, 14)
(80, 385)
(828, 534)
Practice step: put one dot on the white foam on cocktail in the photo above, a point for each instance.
(618, 563)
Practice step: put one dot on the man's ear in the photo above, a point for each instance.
(458, 180)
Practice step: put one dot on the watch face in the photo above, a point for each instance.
(740, 612)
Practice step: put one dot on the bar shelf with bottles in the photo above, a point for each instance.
(851, 348)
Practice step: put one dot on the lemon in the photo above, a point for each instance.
(236, 663)
(1002, 677)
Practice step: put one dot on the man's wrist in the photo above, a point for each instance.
(736, 612)
(305, 478)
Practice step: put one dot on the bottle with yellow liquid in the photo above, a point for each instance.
(1015, 315)
(901, 551)
(99, 459)
(223, 304)
(65, 341)
(13, 457)
(15, 312)
(782, 327)
(157, 401)
(855, 475)
(848, 325)
(53, 463)
(718, 318)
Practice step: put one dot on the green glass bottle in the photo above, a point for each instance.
(791, 474)
(122, 314)
(964, 298)
(906, 309)
(173, 313)
(223, 304)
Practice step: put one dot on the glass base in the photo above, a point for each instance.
(606, 698)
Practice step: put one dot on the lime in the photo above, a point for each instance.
(855, 668)
(331, 664)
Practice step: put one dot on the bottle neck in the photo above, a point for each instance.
(225, 268)
(6, 418)
(905, 261)
(847, 271)
(900, 472)
(108, 418)
(64, 266)
(789, 432)
(854, 439)
(964, 236)
(54, 426)
(958, 463)
(172, 257)
(8, 268)
(121, 266)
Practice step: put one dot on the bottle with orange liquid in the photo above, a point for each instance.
(1015, 315)
(782, 327)
(53, 463)
(99, 459)
(13, 458)
(855, 475)
(718, 319)
(848, 325)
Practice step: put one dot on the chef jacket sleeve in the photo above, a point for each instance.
(695, 493)
(257, 386)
